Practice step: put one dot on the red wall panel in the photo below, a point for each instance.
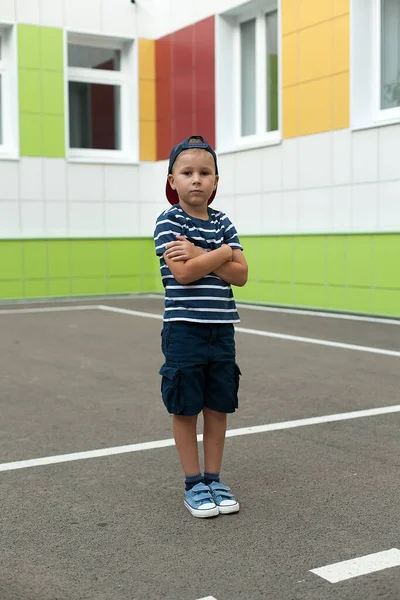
(185, 86)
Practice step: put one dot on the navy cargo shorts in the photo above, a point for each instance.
(200, 367)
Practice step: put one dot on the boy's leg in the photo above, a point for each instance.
(185, 435)
(214, 439)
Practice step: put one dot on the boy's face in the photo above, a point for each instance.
(193, 177)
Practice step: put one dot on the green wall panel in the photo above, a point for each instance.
(41, 91)
(342, 272)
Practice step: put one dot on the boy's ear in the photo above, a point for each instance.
(171, 181)
(216, 181)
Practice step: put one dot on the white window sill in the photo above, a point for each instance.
(102, 158)
(9, 155)
(271, 140)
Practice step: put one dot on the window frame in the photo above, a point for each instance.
(9, 148)
(126, 79)
(228, 39)
(382, 114)
(365, 67)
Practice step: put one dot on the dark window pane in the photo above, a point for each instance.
(248, 76)
(88, 57)
(390, 50)
(272, 71)
(94, 116)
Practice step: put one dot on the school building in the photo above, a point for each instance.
(301, 99)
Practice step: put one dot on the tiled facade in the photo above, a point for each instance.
(318, 209)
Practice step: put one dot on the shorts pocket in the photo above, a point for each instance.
(238, 374)
(170, 389)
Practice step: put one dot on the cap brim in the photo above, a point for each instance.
(173, 198)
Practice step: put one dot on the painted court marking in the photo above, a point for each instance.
(64, 458)
(208, 598)
(271, 334)
(47, 309)
(359, 566)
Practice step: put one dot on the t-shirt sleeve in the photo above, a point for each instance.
(167, 228)
(231, 236)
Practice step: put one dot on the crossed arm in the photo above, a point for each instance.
(189, 263)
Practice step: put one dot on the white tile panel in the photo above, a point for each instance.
(389, 207)
(83, 16)
(152, 180)
(86, 219)
(118, 17)
(289, 211)
(271, 168)
(341, 209)
(27, 11)
(342, 170)
(315, 160)
(54, 179)
(85, 183)
(148, 215)
(271, 210)
(365, 207)
(9, 180)
(121, 183)
(290, 164)
(226, 168)
(314, 211)
(56, 219)
(7, 11)
(31, 179)
(389, 152)
(32, 219)
(51, 13)
(122, 219)
(227, 205)
(365, 156)
(9, 219)
(248, 215)
(248, 172)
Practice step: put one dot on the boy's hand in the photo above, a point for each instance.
(182, 250)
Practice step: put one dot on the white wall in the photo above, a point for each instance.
(112, 17)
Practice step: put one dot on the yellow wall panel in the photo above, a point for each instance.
(289, 59)
(148, 140)
(147, 100)
(314, 11)
(341, 101)
(147, 59)
(315, 106)
(289, 16)
(290, 104)
(315, 51)
(341, 7)
(341, 44)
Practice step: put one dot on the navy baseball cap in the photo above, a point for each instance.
(194, 141)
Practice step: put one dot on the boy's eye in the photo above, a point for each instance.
(205, 173)
(187, 172)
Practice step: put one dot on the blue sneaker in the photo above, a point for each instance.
(200, 503)
(223, 498)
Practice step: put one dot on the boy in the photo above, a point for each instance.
(200, 257)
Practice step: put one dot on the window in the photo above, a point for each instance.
(375, 65)
(248, 73)
(102, 106)
(8, 95)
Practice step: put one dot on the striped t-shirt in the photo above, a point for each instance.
(210, 299)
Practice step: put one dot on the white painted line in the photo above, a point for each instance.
(208, 598)
(318, 342)
(48, 309)
(62, 458)
(127, 311)
(359, 566)
(316, 313)
(271, 334)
